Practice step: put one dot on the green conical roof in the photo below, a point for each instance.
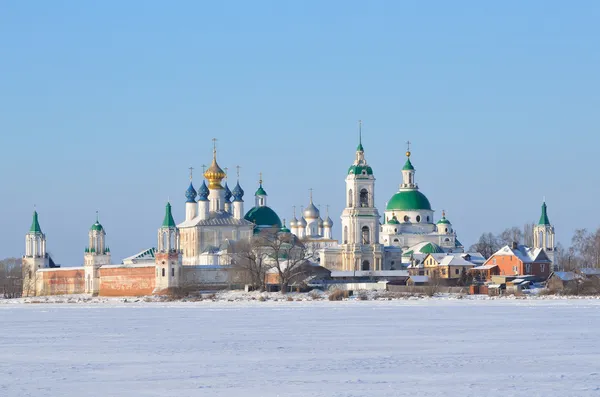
(168, 221)
(408, 165)
(35, 224)
(544, 217)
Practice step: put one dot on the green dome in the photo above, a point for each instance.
(260, 191)
(431, 248)
(443, 221)
(263, 217)
(408, 200)
(358, 170)
(97, 227)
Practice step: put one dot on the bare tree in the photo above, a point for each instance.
(487, 245)
(287, 256)
(11, 278)
(251, 262)
(510, 235)
(586, 247)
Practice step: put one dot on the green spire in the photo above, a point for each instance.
(35, 224)
(544, 218)
(360, 148)
(408, 165)
(168, 221)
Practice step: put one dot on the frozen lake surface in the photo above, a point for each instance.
(398, 348)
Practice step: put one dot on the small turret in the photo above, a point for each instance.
(191, 206)
(167, 256)
(238, 202)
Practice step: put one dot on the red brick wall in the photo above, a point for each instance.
(62, 282)
(127, 281)
(506, 262)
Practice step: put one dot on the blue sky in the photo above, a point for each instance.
(104, 106)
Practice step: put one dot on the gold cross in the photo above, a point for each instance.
(191, 170)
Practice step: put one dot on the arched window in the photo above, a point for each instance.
(406, 218)
(364, 198)
(345, 234)
(366, 266)
(163, 272)
(164, 241)
(172, 272)
(350, 198)
(418, 218)
(396, 240)
(365, 235)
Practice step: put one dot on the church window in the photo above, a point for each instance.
(365, 235)
(427, 218)
(446, 239)
(446, 230)
(395, 230)
(350, 198)
(345, 234)
(163, 272)
(366, 265)
(406, 218)
(172, 272)
(418, 218)
(364, 198)
(396, 240)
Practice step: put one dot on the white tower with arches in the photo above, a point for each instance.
(360, 218)
(97, 254)
(543, 235)
(35, 257)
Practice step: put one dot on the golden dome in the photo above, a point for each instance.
(214, 174)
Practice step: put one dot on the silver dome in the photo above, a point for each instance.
(311, 212)
(301, 222)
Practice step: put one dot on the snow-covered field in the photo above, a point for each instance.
(417, 348)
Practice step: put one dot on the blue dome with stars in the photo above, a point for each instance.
(190, 194)
(227, 193)
(238, 192)
(203, 192)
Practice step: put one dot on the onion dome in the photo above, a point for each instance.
(443, 221)
(294, 222)
(191, 194)
(320, 223)
(284, 229)
(214, 174)
(203, 192)
(97, 226)
(311, 212)
(301, 222)
(328, 222)
(260, 191)
(227, 193)
(238, 192)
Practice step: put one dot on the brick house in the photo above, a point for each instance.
(516, 259)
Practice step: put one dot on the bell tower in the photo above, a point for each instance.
(360, 218)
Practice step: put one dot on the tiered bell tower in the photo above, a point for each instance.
(168, 256)
(360, 218)
(97, 254)
(35, 257)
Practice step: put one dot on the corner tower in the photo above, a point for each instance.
(167, 256)
(360, 218)
(35, 257)
(97, 254)
(543, 234)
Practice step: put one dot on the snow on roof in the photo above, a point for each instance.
(365, 273)
(524, 253)
(485, 267)
(419, 279)
(219, 218)
(590, 271)
(145, 254)
(566, 276)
